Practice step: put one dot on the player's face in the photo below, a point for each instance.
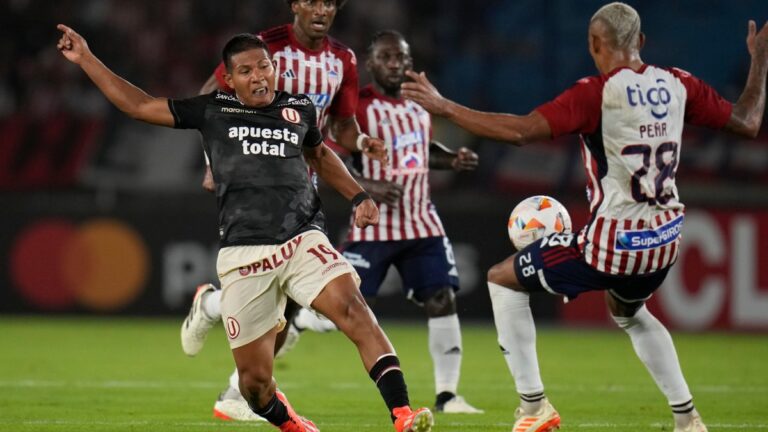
(389, 60)
(314, 17)
(252, 77)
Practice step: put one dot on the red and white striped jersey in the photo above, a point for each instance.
(406, 128)
(328, 75)
(631, 125)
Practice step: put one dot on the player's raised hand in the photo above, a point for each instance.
(757, 42)
(421, 91)
(466, 160)
(366, 214)
(375, 149)
(72, 45)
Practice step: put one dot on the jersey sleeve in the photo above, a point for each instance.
(188, 113)
(313, 137)
(704, 106)
(345, 102)
(576, 110)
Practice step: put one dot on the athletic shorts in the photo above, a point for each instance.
(425, 265)
(556, 264)
(255, 281)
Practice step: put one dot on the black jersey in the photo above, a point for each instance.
(263, 189)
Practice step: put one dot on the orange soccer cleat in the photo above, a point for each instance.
(407, 420)
(295, 423)
(546, 419)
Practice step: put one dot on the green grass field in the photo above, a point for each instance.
(101, 374)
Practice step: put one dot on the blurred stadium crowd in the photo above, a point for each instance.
(58, 131)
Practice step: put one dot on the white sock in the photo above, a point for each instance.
(445, 347)
(234, 380)
(517, 337)
(212, 305)
(654, 346)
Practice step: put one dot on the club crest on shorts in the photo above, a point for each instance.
(291, 115)
(233, 328)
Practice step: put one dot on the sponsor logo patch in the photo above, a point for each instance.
(637, 240)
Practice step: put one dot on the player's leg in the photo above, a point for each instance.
(517, 340)
(430, 278)
(252, 309)
(509, 284)
(340, 300)
(653, 345)
(204, 313)
(230, 405)
(343, 304)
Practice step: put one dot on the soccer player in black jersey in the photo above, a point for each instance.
(270, 221)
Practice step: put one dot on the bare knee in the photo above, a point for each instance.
(619, 308)
(503, 274)
(442, 303)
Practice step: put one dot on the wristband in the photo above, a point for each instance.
(360, 139)
(357, 199)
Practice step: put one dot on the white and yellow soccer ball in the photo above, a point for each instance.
(536, 217)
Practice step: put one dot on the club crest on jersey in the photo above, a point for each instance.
(657, 97)
(411, 161)
(291, 115)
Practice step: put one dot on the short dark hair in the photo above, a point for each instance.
(240, 43)
(339, 3)
(381, 35)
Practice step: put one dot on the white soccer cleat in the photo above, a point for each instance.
(695, 425)
(196, 325)
(546, 419)
(308, 320)
(457, 405)
(231, 406)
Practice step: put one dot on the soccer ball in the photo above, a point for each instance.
(536, 217)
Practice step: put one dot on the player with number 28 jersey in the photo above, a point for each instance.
(631, 124)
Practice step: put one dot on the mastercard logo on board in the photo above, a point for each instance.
(100, 264)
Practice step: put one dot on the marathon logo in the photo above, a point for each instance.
(649, 239)
(275, 261)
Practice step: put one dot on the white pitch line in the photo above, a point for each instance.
(705, 388)
(653, 426)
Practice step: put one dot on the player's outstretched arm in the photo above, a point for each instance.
(331, 170)
(503, 127)
(748, 111)
(348, 135)
(124, 95)
(441, 157)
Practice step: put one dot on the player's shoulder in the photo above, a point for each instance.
(341, 50)
(276, 35)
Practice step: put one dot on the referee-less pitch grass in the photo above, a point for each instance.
(60, 374)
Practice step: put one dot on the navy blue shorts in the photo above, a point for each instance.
(555, 264)
(425, 265)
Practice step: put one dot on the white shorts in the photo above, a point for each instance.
(255, 281)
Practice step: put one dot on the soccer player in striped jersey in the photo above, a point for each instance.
(307, 61)
(410, 235)
(630, 118)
